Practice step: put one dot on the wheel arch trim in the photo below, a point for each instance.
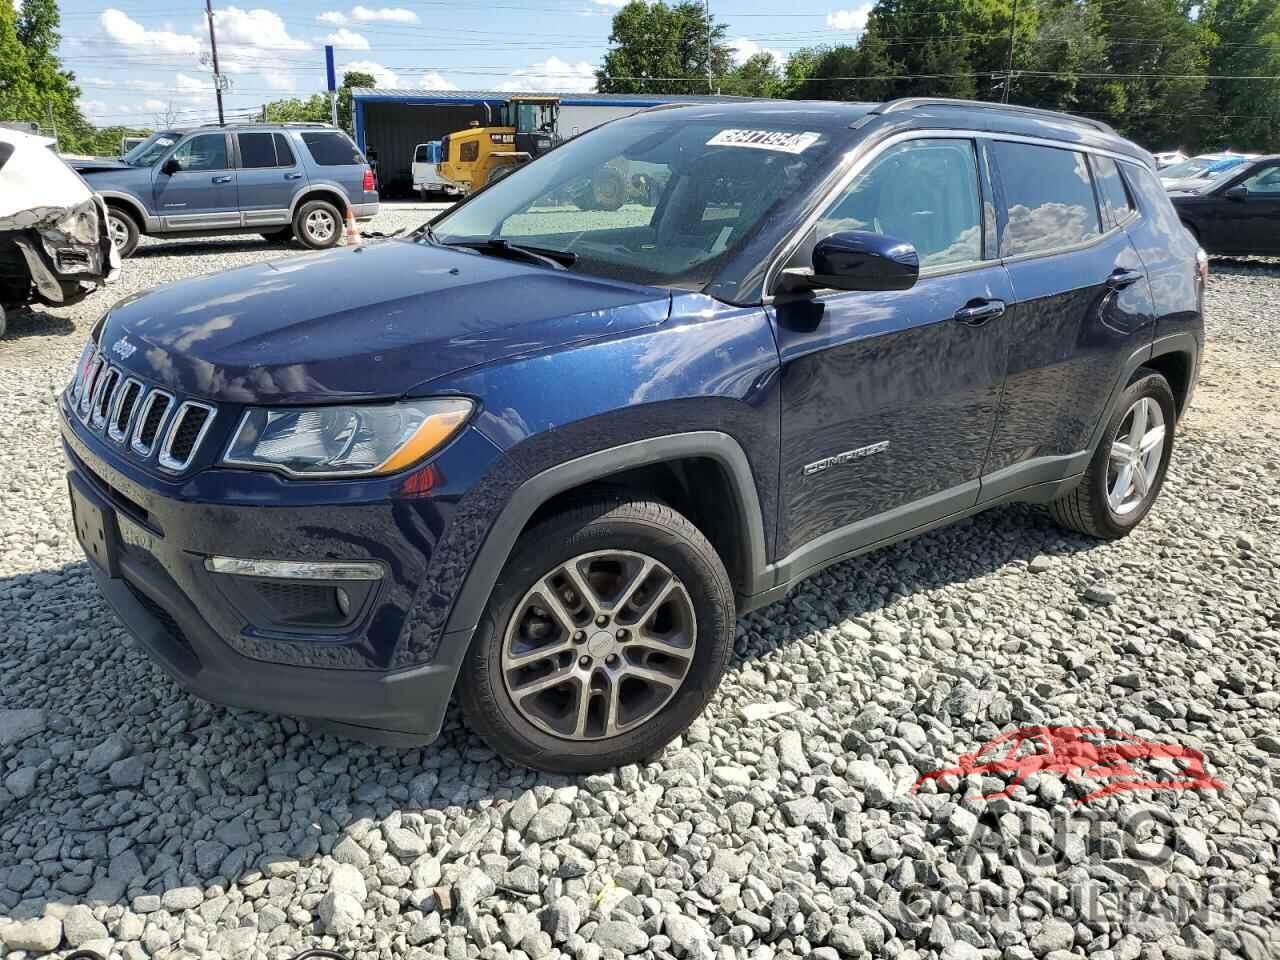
(469, 605)
(318, 191)
(145, 220)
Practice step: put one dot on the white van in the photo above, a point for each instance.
(425, 178)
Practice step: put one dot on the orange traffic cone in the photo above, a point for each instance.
(351, 238)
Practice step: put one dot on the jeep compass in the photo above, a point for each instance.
(539, 455)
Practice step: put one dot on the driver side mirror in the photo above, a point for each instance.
(857, 260)
(1238, 192)
(171, 166)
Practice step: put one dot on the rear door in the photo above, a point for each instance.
(269, 176)
(1257, 213)
(1083, 307)
(201, 194)
(889, 399)
(336, 160)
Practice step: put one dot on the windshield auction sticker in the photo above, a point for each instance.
(781, 140)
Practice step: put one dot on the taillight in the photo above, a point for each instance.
(370, 184)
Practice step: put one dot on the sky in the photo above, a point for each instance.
(145, 62)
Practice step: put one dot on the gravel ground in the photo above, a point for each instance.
(138, 821)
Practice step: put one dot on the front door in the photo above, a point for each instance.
(889, 399)
(1257, 212)
(268, 178)
(198, 190)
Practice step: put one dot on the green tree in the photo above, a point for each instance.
(1246, 44)
(17, 96)
(759, 76)
(656, 48)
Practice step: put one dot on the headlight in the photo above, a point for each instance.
(345, 441)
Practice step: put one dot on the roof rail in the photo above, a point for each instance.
(913, 103)
(271, 123)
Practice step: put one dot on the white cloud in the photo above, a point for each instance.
(92, 106)
(333, 17)
(610, 3)
(98, 82)
(154, 104)
(283, 80)
(129, 33)
(345, 39)
(432, 80)
(184, 84)
(852, 19)
(553, 74)
(743, 49)
(260, 29)
(381, 75)
(390, 14)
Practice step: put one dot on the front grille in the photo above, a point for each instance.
(152, 422)
(186, 430)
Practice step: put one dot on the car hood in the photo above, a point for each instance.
(1187, 184)
(371, 322)
(98, 164)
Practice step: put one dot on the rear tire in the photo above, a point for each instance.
(124, 231)
(1099, 506)
(4, 322)
(653, 688)
(318, 224)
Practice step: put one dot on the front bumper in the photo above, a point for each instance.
(147, 539)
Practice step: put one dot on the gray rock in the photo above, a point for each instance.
(128, 772)
(549, 823)
(689, 938)
(79, 926)
(405, 844)
(621, 935)
(348, 881)
(182, 898)
(18, 725)
(33, 936)
(1052, 935)
(791, 753)
(21, 782)
(472, 887)
(114, 748)
(561, 919)
(340, 913)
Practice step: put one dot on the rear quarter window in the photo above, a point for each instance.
(332, 149)
(1117, 207)
(1050, 200)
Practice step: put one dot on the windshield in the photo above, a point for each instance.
(151, 149)
(1200, 167)
(658, 199)
(532, 117)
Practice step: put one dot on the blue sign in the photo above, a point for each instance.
(328, 66)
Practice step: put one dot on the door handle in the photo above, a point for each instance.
(221, 179)
(979, 312)
(1123, 278)
(293, 176)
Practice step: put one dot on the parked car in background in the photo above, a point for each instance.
(1200, 170)
(426, 178)
(55, 246)
(538, 458)
(1238, 214)
(1168, 158)
(281, 180)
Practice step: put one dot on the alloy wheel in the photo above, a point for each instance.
(599, 644)
(119, 230)
(320, 226)
(1136, 452)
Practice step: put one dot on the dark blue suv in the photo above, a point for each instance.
(539, 454)
(282, 180)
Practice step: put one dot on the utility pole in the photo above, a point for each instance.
(217, 75)
(1008, 74)
(706, 6)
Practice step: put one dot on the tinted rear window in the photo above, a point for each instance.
(257, 150)
(332, 149)
(421, 155)
(1116, 205)
(284, 153)
(1050, 199)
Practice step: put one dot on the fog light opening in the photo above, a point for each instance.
(344, 601)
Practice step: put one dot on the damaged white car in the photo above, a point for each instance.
(55, 246)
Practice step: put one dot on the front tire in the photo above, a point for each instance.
(124, 231)
(605, 636)
(1128, 467)
(318, 224)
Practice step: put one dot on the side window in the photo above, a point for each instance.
(1266, 180)
(421, 155)
(332, 149)
(924, 192)
(284, 153)
(257, 150)
(1050, 198)
(207, 151)
(1117, 207)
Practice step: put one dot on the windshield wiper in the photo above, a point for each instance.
(558, 259)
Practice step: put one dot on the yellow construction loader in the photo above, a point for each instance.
(520, 130)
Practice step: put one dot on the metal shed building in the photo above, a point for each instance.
(390, 123)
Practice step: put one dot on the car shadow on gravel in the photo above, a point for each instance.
(129, 786)
(205, 247)
(25, 322)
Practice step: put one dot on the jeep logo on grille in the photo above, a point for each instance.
(123, 349)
